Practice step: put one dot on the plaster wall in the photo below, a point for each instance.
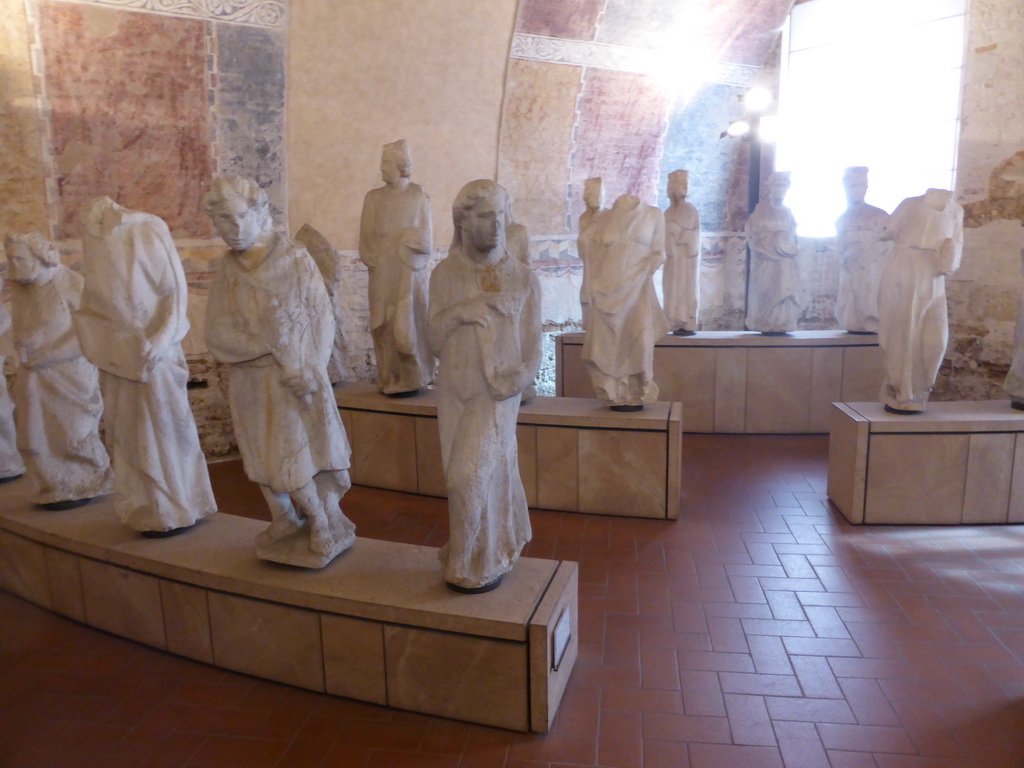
(362, 74)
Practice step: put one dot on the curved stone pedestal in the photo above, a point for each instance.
(378, 624)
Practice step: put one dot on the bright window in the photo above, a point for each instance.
(869, 82)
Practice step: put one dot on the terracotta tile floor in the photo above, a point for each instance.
(758, 630)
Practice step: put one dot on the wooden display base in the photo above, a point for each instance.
(575, 455)
(378, 624)
(955, 464)
(741, 382)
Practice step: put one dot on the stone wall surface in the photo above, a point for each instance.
(21, 162)
(984, 293)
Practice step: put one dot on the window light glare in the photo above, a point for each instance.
(738, 128)
(757, 99)
(768, 130)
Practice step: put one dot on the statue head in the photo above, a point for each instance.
(479, 216)
(396, 162)
(938, 199)
(778, 186)
(30, 258)
(593, 194)
(239, 209)
(678, 185)
(855, 179)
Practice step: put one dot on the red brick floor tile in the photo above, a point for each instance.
(784, 605)
(554, 747)
(702, 693)
(761, 685)
(620, 740)
(666, 754)
(769, 655)
(800, 746)
(343, 755)
(642, 700)
(843, 759)
(238, 752)
(712, 730)
(659, 668)
(733, 756)
(390, 758)
(749, 720)
(865, 738)
(810, 710)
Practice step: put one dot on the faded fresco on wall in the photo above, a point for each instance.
(145, 105)
(128, 112)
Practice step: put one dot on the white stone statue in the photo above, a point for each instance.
(1014, 383)
(130, 324)
(681, 279)
(772, 306)
(329, 264)
(862, 254)
(593, 198)
(913, 325)
(11, 465)
(270, 320)
(517, 240)
(57, 390)
(395, 242)
(625, 316)
(485, 329)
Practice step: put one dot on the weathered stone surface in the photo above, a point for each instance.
(130, 115)
(250, 108)
(21, 164)
(536, 139)
(619, 136)
(568, 19)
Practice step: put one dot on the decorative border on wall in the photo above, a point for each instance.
(618, 57)
(257, 13)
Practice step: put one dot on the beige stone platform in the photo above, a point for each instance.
(746, 383)
(377, 624)
(955, 464)
(575, 455)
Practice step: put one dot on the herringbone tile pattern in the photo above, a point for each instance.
(758, 630)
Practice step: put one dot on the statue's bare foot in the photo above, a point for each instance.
(277, 530)
(320, 540)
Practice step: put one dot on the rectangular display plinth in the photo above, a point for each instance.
(377, 624)
(955, 464)
(741, 382)
(575, 455)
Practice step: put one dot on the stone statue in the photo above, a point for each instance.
(517, 239)
(625, 316)
(772, 306)
(270, 320)
(485, 329)
(862, 253)
(913, 325)
(11, 465)
(593, 198)
(1014, 383)
(329, 264)
(395, 242)
(57, 389)
(130, 324)
(681, 280)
